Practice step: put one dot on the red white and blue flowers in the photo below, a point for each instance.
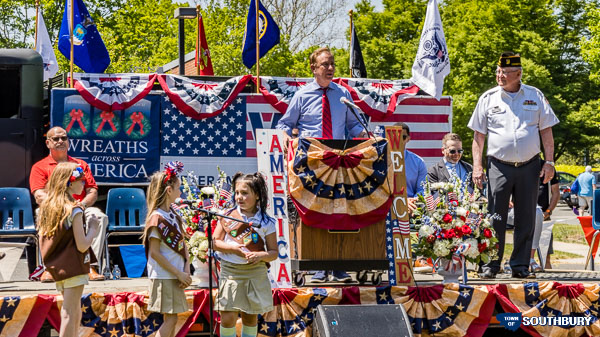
(77, 174)
(453, 223)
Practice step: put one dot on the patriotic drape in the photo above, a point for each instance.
(349, 188)
(446, 310)
(201, 99)
(111, 92)
(553, 299)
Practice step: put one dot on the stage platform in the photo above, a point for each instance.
(117, 307)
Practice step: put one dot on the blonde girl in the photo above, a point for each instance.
(64, 243)
(166, 251)
(244, 285)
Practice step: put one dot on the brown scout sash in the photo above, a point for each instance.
(169, 234)
(242, 233)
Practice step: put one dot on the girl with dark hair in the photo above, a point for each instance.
(245, 250)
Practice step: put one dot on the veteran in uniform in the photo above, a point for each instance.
(513, 116)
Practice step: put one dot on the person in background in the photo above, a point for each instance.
(58, 144)
(451, 163)
(416, 170)
(548, 196)
(587, 185)
(244, 286)
(64, 244)
(167, 253)
(514, 116)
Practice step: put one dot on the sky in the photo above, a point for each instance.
(340, 26)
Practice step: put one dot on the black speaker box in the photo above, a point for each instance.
(362, 320)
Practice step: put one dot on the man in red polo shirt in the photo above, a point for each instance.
(58, 144)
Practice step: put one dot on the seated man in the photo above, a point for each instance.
(58, 144)
(451, 164)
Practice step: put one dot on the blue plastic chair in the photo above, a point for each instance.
(595, 225)
(15, 202)
(126, 210)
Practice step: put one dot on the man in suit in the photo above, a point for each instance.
(451, 163)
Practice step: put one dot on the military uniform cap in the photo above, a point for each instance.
(509, 59)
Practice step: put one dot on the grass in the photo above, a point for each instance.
(558, 255)
(568, 233)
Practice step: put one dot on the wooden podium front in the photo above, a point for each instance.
(311, 243)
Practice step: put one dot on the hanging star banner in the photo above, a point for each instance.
(202, 99)
(378, 98)
(450, 310)
(547, 300)
(278, 91)
(350, 188)
(113, 91)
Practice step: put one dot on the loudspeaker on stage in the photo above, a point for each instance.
(362, 320)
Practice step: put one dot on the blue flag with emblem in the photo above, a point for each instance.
(89, 51)
(268, 34)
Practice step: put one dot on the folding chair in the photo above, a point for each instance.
(15, 202)
(595, 225)
(126, 210)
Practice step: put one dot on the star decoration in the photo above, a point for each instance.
(531, 291)
(11, 302)
(114, 332)
(465, 293)
(4, 319)
(84, 308)
(382, 297)
(318, 297)
(437, 326)
(294, 327)
(460, 307)
(301, 169)
(145, 329)
(264, 328)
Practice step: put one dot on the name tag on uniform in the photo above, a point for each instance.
(495, 110)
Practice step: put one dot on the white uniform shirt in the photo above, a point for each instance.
(512, 123)
(155, 271)
(267, 226)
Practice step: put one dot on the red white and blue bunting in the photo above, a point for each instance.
(201, 99)
(110, 92)
(278, 91)
(377, 97)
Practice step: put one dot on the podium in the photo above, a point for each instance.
(358, 250)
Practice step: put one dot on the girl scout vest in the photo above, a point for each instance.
(61, 257)
(169, 234)
(242, 233)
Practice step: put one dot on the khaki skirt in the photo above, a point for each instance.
(244, 287)
(166, 297)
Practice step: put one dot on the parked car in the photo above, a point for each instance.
(565, 180)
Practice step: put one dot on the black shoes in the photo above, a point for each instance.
(487, 274)
(523, 274)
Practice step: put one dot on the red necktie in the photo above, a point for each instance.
(326, 120)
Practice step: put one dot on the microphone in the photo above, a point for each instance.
(180, 201)
(344, 100)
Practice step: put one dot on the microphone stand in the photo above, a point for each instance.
(210, 258)
(360, 120)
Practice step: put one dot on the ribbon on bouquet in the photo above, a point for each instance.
(457, 261)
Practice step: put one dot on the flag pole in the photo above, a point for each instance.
(37, 15)
(351, 33)
(257, 2)
(72, 46)
(198, 46)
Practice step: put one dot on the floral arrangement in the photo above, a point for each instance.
(196, 223)
(454, 224)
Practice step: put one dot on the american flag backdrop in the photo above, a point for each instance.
(227, 140)
(428, 119)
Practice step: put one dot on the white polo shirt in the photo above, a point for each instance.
(512, 123)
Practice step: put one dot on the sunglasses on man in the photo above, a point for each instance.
(57, 138)
(453, 151)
